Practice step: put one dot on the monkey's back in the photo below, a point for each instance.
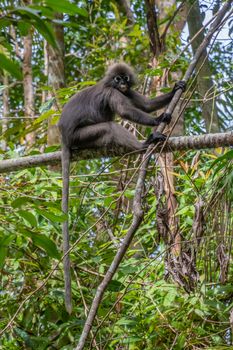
(87, 107)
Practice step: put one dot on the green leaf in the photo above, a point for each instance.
(24, 28)
(52, 217)
(227, 156)
(47, 244)
(180, 341)
(199, 313)
(29, 217)
(34, 19)
(45, 107)
(65, 6)
(4, 22)
(44, 116)
(18, 202)
(131, 340)
(4, 243)
(169, 298)
(12, 67)
(115, 286)
(126, 322)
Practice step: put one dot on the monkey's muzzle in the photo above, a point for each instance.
(123, 87)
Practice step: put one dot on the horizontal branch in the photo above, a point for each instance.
(173, 144)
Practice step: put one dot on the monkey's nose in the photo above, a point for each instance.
(123, 87)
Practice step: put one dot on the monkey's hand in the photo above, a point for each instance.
(163, 118)
(179, 85)
(155, 138)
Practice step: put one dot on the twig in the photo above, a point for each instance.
(163, 35)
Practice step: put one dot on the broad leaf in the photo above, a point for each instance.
(50, 216)
(29, 217)
(65, 6)
(41, 25)
(10, 66)
(47, 244)
(4, 242)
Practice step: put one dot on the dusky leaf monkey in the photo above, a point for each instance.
(87, 121)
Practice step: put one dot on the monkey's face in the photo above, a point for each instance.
(121, 83)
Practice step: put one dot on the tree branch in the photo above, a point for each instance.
(173, 144)
(153, 30)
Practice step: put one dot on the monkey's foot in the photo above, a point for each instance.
(180, 85)
(155, 138)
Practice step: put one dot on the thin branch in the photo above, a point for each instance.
(163, 35)
(173, 144)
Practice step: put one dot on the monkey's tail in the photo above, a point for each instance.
(65, 226)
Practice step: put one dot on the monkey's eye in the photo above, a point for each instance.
(127, 78)
(117, 79)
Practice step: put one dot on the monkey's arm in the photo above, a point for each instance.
(150, 105)
(120, 105)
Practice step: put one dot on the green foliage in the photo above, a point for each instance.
(141, 309)
(33, 17)
(149, 311)
(10, 66)
(66, 7)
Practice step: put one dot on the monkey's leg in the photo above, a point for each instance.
(105, 134)
(123, 137)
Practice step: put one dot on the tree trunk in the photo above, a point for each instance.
(45, 92)
(5, 113)
(125, 6)
(56, 75)
(204, 82)
(28, 84)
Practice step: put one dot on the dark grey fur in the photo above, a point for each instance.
(87, 121)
